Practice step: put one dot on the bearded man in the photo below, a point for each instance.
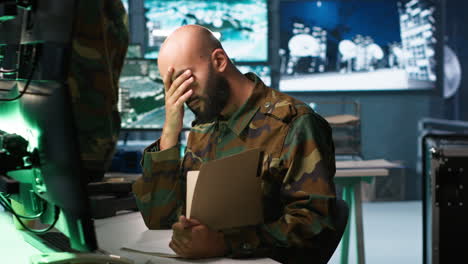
(234, 113)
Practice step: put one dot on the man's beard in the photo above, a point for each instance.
(210, 105)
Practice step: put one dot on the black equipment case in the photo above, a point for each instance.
(445, 198)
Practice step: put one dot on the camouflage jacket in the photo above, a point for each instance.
(297, 174)
(99, 44)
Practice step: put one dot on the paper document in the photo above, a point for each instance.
(192, 177)
(153, 242)
(156, 243)
(227, 192)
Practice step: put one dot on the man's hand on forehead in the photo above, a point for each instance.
(177, 92)
(178, 73)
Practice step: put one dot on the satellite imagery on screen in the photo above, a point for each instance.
(358, 45)
(240, 25)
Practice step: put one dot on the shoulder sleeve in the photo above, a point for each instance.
(158, 191)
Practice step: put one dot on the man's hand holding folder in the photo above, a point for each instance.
(191, 239)
(225, 193)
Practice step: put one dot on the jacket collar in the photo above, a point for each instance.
(241, 118)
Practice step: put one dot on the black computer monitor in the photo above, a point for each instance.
(50, 185)
(55, 180)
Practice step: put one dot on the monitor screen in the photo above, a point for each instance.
(369, 45)
(134, 51)
(141, 96)
(240, 25)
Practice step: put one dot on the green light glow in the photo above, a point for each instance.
(12, 121)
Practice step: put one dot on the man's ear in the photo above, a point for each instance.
(220, 60)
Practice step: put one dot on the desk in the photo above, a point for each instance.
(350, 175)
(112, 233)
(13, 249)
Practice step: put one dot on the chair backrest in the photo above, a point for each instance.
(327, 241)
(334, 238)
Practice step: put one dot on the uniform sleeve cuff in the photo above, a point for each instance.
(153, 147)
(153, 153)
(242, 242)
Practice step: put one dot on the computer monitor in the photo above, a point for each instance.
(240, 25)
(360, 45)
(53, 179)
(134, 51)
(51, 185)
(47, 173)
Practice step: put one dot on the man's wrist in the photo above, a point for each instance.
(168, 139)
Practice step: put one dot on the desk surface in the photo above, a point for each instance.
(366, 164)
(342, 173)
(364, 168)
(112, 233)
(13, 249)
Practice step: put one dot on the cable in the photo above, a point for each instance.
(40, 231)
(25, 87)
(8, 207)
(35, 60)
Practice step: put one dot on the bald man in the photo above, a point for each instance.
(234, 113)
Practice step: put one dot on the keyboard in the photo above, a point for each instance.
(56, 241)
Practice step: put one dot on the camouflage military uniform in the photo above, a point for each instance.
(297, 172)
(99, 45)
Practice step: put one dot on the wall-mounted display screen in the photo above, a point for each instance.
(240, 25)
(134, 51)
(141, 96)
(335, 45)
(125, 4)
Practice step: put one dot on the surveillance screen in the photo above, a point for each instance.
(240, 25)
(262, 71)
(357, 45)
(141, 96)
(134, 51)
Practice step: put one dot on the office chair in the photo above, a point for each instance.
(332, 238)
(326, 242)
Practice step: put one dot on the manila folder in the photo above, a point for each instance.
(227, 192)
